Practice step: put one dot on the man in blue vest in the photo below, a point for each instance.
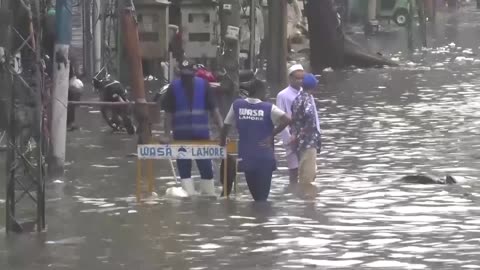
(188, 104)
(257, 123)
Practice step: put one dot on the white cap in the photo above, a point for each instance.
(294, 68)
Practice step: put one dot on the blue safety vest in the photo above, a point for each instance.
(254, 125)
(190, 122)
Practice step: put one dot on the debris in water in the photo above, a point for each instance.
(111, 209)
(92, 146)
(152, 199)
(68, 241)
(176, 192)
(58, 181)
(151, 202)
(105, 166)
(107, 205)
(132, 211)
(209, 246)
(463, 60)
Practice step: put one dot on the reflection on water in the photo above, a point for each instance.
(378, 125)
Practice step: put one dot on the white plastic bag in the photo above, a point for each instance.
(76, 85)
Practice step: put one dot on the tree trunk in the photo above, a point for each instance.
(328, 45)
(326, 42)
(131, 43)
(277, 44)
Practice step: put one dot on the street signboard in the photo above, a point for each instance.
(153, 151)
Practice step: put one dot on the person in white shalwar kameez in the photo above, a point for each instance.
(284, 101)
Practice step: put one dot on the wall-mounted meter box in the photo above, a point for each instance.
(152, 17)
(233, 33)
(200, 28)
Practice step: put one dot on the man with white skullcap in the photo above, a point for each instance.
(284, 101)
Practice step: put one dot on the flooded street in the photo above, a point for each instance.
(378, 126)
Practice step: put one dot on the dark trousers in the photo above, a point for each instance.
(71, 108)
(259, 182)
(204, 166)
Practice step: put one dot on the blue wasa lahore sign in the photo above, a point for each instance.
(181, 152)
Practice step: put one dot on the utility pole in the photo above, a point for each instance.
(263, 45)
(253, 32)
(346, 13)
(372, 10)
(409, 25)
(61, 68)
(87, 38)
(434, 10)
(132, 46)
(371, 16)
(277, 43)
(121, 61)
(97, 24)
(230, 31)
(423, 21)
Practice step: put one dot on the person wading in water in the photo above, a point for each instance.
(284, 102)
(306, 135)
(257, 123)
(188, 104)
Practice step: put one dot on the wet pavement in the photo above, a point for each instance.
(378, 125)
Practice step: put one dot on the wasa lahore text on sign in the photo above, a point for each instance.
(181, 152)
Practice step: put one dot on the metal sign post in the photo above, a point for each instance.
(28, 137)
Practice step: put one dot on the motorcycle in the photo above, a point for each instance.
(117, 117)
(245, 78)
